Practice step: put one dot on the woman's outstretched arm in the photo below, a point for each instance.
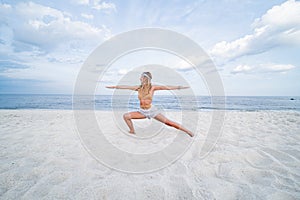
(163, 87)
(128, 87)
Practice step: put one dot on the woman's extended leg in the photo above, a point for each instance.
(132, 115)
(168, 122)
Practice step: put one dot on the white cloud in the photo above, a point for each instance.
(49, 28)
(83, 2)
(5, 6)
(106, 7)
(48, 41)
(36, 72)
(262, 68)
(242, 69)
(122, 71)
(87, 16)
(182, 65)
(278, 26)
(278, 67)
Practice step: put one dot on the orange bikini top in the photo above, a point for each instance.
(145, 97)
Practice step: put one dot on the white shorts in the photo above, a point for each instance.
(149, 113)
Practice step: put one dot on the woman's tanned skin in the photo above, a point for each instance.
(146, 101)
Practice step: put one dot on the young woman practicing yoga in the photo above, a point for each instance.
(145, 94)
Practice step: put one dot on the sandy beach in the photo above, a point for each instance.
(256, 157)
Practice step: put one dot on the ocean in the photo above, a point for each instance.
(108, 102)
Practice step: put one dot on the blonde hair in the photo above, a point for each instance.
(146, 87)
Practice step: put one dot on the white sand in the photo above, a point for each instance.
(256, 157)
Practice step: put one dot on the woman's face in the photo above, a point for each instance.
(143, 79)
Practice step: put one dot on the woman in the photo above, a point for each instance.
(145, 94)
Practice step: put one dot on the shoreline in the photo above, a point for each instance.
(167, 110)
(170, 103)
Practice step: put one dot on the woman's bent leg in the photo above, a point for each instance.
(132, 115)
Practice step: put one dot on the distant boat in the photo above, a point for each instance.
(292, 99)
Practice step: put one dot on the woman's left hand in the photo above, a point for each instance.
(182, 87)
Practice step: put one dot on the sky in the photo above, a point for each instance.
(254, 44)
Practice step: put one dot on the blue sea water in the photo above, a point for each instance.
(108, 102)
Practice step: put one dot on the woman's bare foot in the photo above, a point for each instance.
(131, 132)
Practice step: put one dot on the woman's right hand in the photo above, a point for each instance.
(111, 87)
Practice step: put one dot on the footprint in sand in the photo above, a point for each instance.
(282, 157)
(258, 160)
(180, 189)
